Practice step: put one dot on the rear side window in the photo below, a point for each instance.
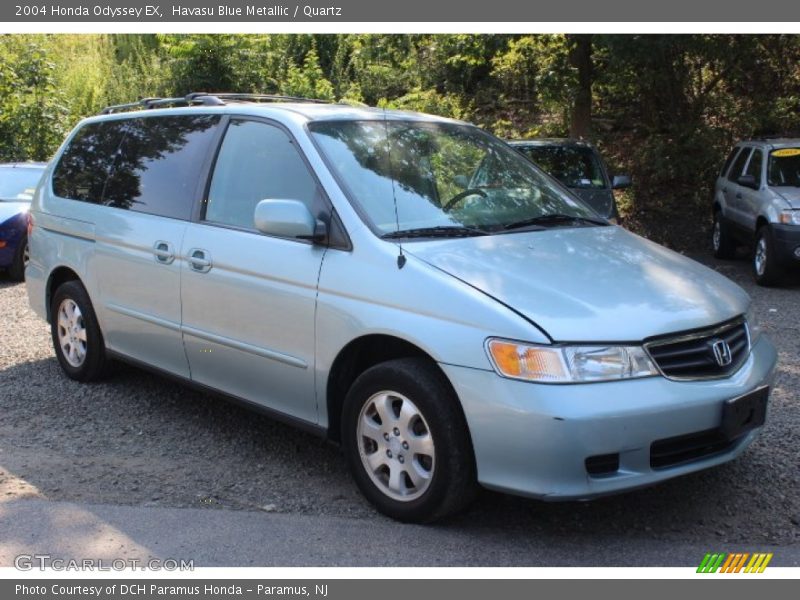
(84, 166)
(145, 164)
(159, 164)
(738, 165)
(256, 162)
(728, 161)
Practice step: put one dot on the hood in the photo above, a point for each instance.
(790, 194)
(601, 201)
(589, 283)
(11, 209)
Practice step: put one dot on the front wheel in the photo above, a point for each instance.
(406, 441)
(766, 269)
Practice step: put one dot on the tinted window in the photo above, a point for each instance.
(728, 161)
(755, 167)
(257, 161)
(738, 165)
(574, 166)
(159, 164)
(84, 166)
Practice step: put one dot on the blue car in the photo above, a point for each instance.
(18, 183)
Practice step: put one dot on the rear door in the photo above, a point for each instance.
(149, 196)
(249, 299)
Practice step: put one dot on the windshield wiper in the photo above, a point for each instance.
(439, 231)
(553, 219)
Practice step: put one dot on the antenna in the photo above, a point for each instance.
(401, 258)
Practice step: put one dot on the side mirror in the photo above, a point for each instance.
(620, 182)
(747, 181)
(289, 219)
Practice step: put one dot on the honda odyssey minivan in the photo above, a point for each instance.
(345, 269)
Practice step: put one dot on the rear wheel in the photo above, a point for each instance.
(77, 339)
(21, 256)
(721, 241)
(406, 441)
(766, 269)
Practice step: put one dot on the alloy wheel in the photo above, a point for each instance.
(396, 446)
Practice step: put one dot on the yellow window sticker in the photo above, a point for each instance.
(784, 152)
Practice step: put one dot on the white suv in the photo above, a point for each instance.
(757, 202)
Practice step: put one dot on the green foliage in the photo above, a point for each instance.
(665, 108)
(33, 110)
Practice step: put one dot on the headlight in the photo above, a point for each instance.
(753, 326)
(568, 364)
(789, 217)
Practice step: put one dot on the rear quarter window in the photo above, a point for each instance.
(84, 166)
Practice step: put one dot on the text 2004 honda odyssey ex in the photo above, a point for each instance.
(407, 285)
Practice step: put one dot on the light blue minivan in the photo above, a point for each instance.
(406, 285)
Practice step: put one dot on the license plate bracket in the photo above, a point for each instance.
(742, 414)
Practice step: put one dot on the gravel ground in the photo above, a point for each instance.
(138, 439)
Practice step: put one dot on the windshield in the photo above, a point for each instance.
(19, 183)
(574, 166)
(784, 167)
(443, 176)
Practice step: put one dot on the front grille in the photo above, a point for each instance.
(686, 448)
(691, 355)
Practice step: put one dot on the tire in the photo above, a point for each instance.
(17, 270)
(722, 243)
(766, 269)
(421, 412)
(77, 339)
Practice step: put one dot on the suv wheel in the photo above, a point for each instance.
(406, 441)
(77, 339)
(766, 269)
(721, 240)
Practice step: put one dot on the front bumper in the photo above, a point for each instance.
(534, 439)
(786, 239)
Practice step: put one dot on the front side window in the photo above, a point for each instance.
(754, 167)
(406, 176)
(738, 165)
(574, 166)
(257, 161)
(728, 161)
(783, 169)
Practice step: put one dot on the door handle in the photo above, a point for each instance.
(163, 252)
(199, 260)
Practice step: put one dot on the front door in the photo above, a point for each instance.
(249, 299)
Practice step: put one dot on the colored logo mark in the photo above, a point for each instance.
(735, 563)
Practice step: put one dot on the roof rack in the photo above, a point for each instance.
(204, 99)
(775, 136)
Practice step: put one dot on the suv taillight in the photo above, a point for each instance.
(30, 224)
